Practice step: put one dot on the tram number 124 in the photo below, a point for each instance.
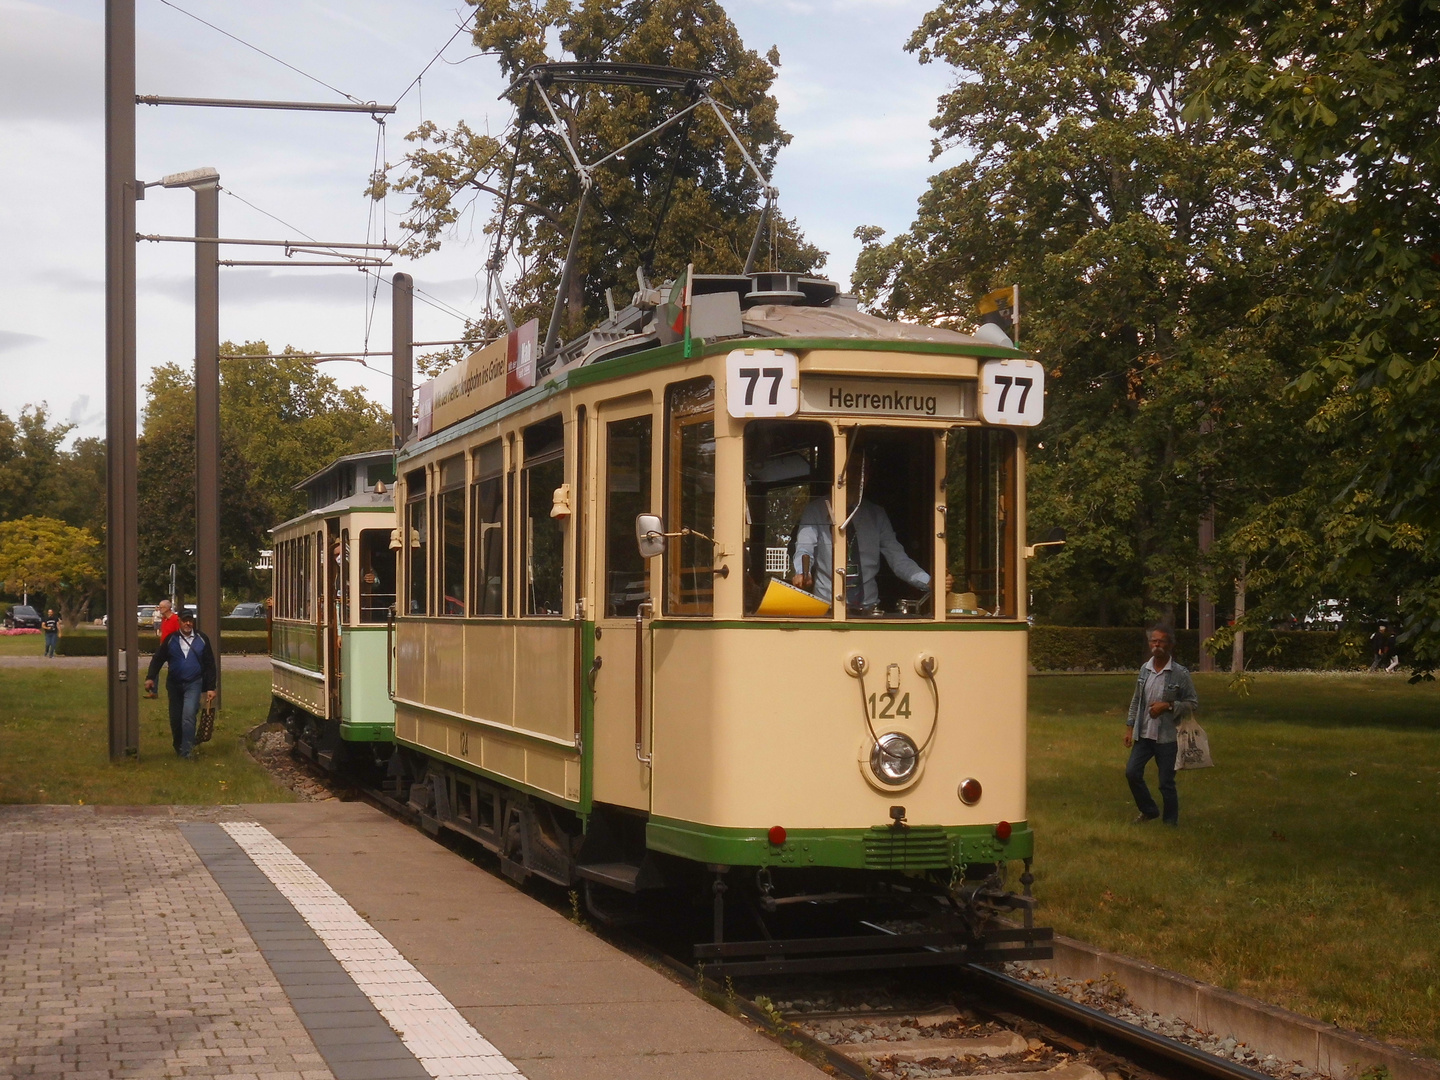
(890, 707)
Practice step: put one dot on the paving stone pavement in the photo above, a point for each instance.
(120, 957)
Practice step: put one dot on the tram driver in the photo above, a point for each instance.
(872, 537)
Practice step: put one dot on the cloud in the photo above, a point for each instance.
(81, 415)
(52, 63)
(13, 339)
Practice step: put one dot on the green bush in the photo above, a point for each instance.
(1106, 648)
(89, 643)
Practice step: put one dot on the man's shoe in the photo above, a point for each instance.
(1141, 819)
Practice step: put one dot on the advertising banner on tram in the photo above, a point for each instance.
(486, 377)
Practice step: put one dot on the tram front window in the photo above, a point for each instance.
(377, 575)
(543, 472)
(889, 484)
(789, 470)
(980, 522)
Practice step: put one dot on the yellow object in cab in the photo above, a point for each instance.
(782, 600)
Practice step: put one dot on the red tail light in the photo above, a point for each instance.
(777, 834)
(1002, 831)
(969, 791)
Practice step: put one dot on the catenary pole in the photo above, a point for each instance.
(207, 416)
(123, 672)
(402, 350)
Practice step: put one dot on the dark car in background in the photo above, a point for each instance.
(21, 617)
(247, 611)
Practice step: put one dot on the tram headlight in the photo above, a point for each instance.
(894, 758)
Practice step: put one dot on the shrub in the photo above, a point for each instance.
(93, 644)
(1097, 648)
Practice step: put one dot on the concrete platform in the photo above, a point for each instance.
(171, 942)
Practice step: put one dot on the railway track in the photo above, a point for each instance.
(968, 1020)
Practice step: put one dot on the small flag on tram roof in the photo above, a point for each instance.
(674, 315)
(1002, 307)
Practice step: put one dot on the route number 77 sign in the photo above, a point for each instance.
(1012, 392)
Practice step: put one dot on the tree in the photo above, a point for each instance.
(710, 209)
(280, 421)
(45, 555)
(29, 455)
(1351, 92)
(1146, 241)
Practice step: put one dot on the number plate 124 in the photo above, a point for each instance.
(762, 382)
(1012, 392)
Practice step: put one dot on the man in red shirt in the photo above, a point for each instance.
(167, 622)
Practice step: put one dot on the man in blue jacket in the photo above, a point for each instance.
(1164, 696)
(192, 672)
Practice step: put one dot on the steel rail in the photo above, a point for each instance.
(1104, 1025)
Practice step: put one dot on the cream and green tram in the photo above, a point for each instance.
(333, 591)
(744, 609)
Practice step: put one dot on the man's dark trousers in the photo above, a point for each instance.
(184, 705)
(1164, 754)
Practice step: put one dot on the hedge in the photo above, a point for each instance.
(93, 644)
(1105, 648)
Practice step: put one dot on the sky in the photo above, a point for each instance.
(856, 103)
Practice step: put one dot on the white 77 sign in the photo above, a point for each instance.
(762, 382)
(1012, 392)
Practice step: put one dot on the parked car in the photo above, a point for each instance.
(247, 611)
(145, 614)
(21, 616)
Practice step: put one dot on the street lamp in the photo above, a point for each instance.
(205, 183)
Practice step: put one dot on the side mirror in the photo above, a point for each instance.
(650, 535)
(1053, 539)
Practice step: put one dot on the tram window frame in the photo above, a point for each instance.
(371, 541)
(982, 494)
(487, 535)
(450, 541)
(542, 471)
(621, 555)
(911, 514)
(689, 408)
(416, 544)
(344, 581)
(779, 443)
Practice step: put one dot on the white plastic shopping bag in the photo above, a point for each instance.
(1194, 750)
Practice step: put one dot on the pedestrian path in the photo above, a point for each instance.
(311, 942)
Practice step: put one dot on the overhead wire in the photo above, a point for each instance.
(267, 55)
(415, 81)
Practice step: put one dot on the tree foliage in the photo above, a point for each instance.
(1144, 239)
(45, 555)
(711, 207)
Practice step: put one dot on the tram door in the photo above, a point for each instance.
(620, 681)
(336, 565)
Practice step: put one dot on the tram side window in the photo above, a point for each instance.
(487, 545)
(627, 494)
(690, 497)
(980, 522)
(450, 518)
(417, 548)
(789, 469)
(543, 471)
(377, 575)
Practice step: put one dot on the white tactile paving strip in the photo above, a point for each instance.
(442, 1040)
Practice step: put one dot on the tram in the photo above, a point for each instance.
(740, 604)
(334, 588)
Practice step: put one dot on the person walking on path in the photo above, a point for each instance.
(166, 621)
(192, 673)
(1164, 696)
(51, 625)
(1382, 650)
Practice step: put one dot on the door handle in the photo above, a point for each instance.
(594, 671)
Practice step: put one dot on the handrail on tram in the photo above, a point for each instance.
(643, 608)
(390, 651)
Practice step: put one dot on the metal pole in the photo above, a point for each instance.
(552, 332)
(207, 417)
(402, 349)
(122, 555)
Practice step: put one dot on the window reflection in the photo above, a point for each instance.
(627, 494)
(980, 522)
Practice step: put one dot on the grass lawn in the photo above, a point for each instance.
(22, 644)
(54, 746)
(1306, 869)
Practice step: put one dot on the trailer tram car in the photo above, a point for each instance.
(603, 668)
(334, 589)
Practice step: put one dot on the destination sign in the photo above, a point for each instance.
(920, 399)
(486, 377)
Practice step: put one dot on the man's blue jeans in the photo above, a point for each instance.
(51, 637)
(1164, 754)
(185, 706)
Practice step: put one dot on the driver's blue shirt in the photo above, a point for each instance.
(871, 536)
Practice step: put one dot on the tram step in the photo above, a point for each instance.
(627, 877)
